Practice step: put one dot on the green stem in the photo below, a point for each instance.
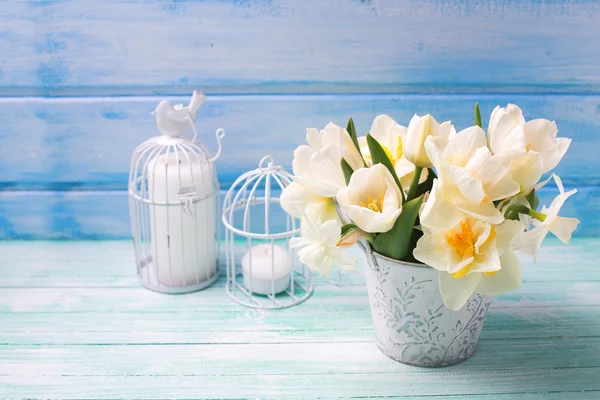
(537, 215)
(412, 192)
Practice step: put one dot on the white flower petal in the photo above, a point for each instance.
(563, 227)
(463, 146)
(505, 130)
(552, 157)
(529, 242)
(437, 213)
(503, 189)
(457, 291)
(301, 163)
(470, 188)
(506, 279)
(371, 221)
(526, 169)
(330, 232)
(430, 251)
(505, 234)
(313, 137)
(540, 134)
(485, 212)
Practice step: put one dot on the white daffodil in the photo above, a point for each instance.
(419, 129)
(392, 137)
(470, 178)
(473, 256)
(297, 201)
(319, 250)
(317, 165)
(529, 242)
(372, 199)
(531, 148)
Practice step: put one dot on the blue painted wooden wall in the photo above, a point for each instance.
(78, 80)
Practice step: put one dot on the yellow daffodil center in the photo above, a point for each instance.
(462, 240)
(373, 204)
(528, 147)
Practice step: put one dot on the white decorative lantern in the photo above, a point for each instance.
(174, 203)
(263, 271)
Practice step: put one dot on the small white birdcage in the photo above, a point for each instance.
(174, 203)
(268, 273)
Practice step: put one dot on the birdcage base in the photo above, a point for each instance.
(291, 295)
(266, 287)
(148, 281)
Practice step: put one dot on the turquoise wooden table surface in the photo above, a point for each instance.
(74, 323)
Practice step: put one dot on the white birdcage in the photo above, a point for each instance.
(263, 271)
(174, 203)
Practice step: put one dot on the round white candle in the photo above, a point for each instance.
(267, 264)
(184, 248)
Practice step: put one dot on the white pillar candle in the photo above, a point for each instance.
(266, 269)
(183, 245)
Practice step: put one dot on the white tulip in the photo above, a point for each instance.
(334, 135)
(531, 148)
(392, 137)
(419, 129)
(319, 170)
(540, 135)
(372, 199)
(317, 165)
(472, 256)
(529, 242)
(297, 201)
(470, 178)
(318, 247)
(505, 129)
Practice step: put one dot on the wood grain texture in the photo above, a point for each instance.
(75, 324)
(87, 215)
(284, 46)
(87, 143)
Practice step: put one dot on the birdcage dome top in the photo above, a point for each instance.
(252, 204)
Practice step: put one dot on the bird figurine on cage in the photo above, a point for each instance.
(174, 192)
(176, 120)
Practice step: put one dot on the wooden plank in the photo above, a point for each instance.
(235, 325)
(309, 386)
(131, 47)
(291, 358)
(87, 143)
(131, 300)
(75, 264)
(77, 215)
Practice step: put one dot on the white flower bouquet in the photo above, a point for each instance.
(461, 203)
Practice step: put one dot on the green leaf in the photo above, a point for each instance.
(347, 228)
(428, 184)
(477, 116)
(395, 243)
(352, 131)
(379, 156)
(347, 170)
(513, 211)
(533, 199)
